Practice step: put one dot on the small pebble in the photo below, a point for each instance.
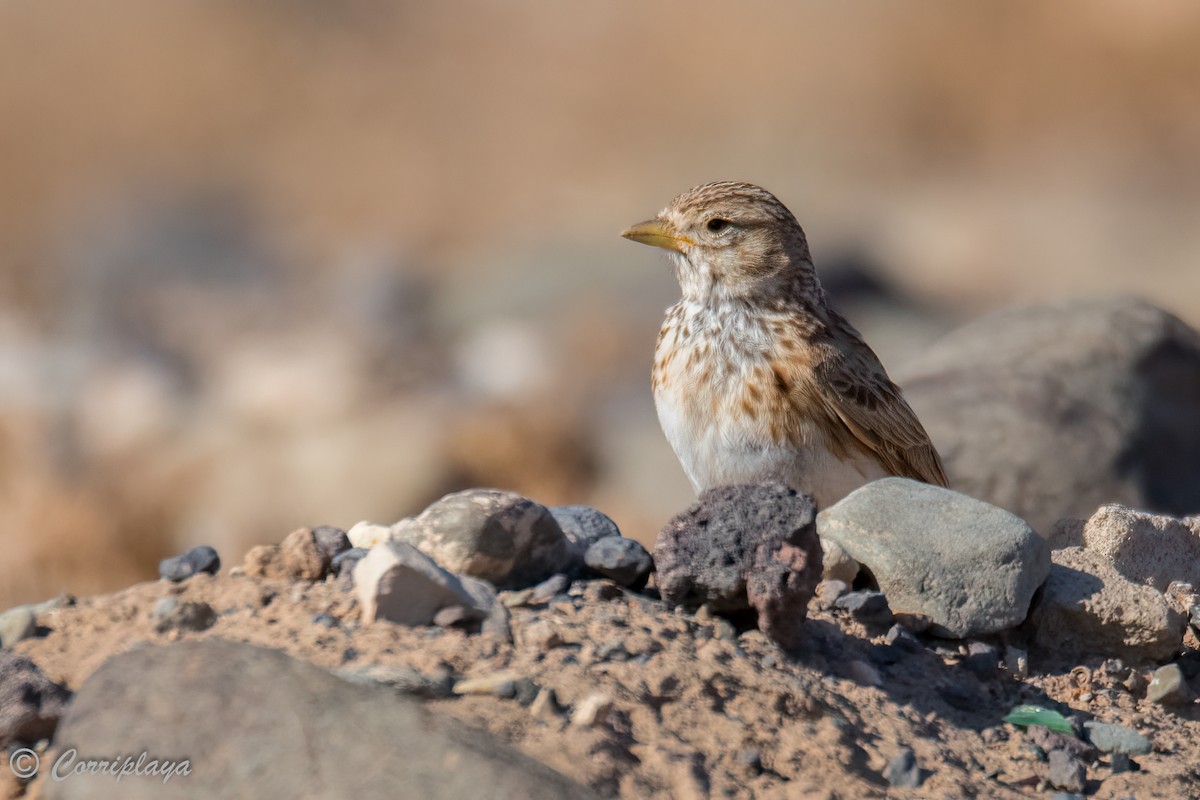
(1066, 772)
(902, 770)
(17, 624)
(1167, 686)
(325, 620)
(500, 684)
(864, 673)
(869, 608)
(193, 562)
(330, 541)
(982, 659)
(1116, 738)
(367, 534)
(1121, 762)
(592, 710)
(190, 616)
(551, 587)
(584, 525)
(828, 592)
(899, 636)
(344, 562)
(526, 692)
(545, 705)
(751, 759)
(623, 560)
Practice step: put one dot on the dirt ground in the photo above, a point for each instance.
(697, 709)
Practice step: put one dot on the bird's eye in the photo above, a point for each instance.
(716, 224)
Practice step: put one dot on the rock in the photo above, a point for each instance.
(193, 562)
(552, 586)
(541, 636)
(1052, 410)
(545, 705)
(828, 592)
(965, 567)
(1066, 772)
(869, 608)
(864, 673)
(328, 737)
(331, 541)
(403, 679)
(734, 533)
(30, 703)
(264, 561)
(398, 583)
(622, 560)
(500, 684)
(592, 710)
(1087, 608)
(1109, 738)
(1145, 548)
(899, 636)
(902, 770)
(1168, 686)
(583, 526)
(1121, 762)
(368, 534)
(344, 562)
(17, 624)
(1016, 661)
(982, 659)
(172, 615)
(498, 536)
(301, 558)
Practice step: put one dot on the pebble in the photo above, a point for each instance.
(343, 563)
(864, 673)
(899, 636)
(592, 710)
(541, 636)
(902, 770)
(1121, 762)
(17, 624)
(402, 678)
(868, 607)
(171, 614)
(1016, 661)
(551, 587)
(325, 620)
(300, 556)
(330, 541)
(1108, 738)
(751, 759)
(399, 583)
(193, 562)
(368, 534)
(828, 592)
(584, 526)
(1066, 772)
(545, 705)
(623, 560)
(499, 684)
(1167, 687)
(982, 659)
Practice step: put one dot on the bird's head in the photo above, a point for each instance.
(729, 239)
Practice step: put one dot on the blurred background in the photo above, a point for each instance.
(293, 262)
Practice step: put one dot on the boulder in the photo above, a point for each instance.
(1050, 411)
(261, 724)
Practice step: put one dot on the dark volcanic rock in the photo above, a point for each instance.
(742, 547)
(623, 560)
(193, 562)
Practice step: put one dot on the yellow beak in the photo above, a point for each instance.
(657, 233)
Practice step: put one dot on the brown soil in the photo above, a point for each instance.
(697, 710)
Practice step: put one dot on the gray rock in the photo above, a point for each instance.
(982, 659)
(403, 679)
(554, 585)
(1109, 738)
(498, 536)
(170, 614)
(742, 547)
(17, 624)
(398, 583)
(1066, 772)
(1087, 608)
(1144, 548)
(331, 541)
(1168, 686)
(30, 703)
(343, 563)
(902, 770)
(966, 567)
(1052, 410)
(193, 562)
(327, 737)
(623, 560)
(583, 526)
(899, 636)
(868, 607)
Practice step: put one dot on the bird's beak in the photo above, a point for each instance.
(657, 233)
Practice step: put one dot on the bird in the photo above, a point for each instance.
(756, 377)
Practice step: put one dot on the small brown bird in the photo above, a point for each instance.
(756, 378)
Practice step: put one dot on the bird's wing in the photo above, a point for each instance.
(860, 400)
